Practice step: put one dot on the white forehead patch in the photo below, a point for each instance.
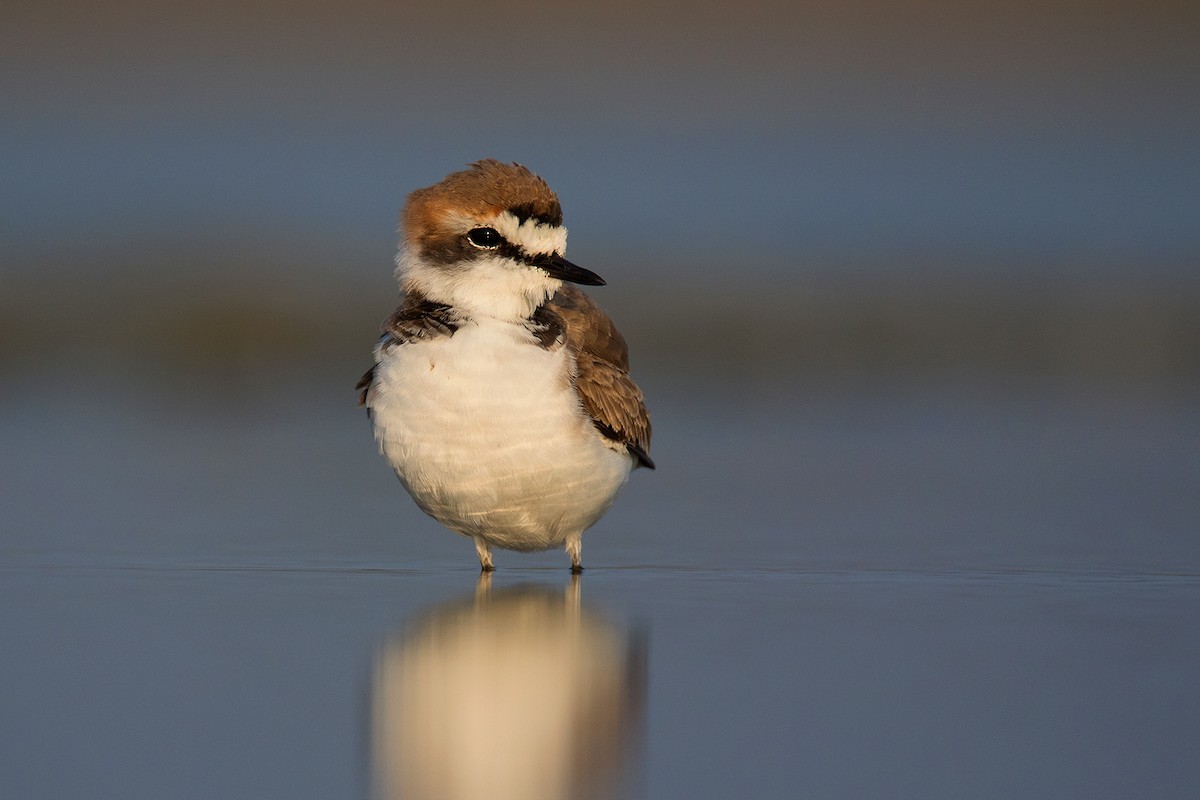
(531, 236)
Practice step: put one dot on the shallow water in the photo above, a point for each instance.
(872, 589)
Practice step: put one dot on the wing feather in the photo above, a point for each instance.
(602, 381)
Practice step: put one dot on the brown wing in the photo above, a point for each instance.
(602, 379)
(416, 318)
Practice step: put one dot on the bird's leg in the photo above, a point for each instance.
(484, 551)
(574, 549)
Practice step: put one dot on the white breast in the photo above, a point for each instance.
(488, 436)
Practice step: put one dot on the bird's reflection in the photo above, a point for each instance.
(517, 693)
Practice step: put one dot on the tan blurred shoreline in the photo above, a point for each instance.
(243, 318)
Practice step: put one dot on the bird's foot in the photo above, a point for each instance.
(574, 550)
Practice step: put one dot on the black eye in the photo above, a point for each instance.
(487, 238)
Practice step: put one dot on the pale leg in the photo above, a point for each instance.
(484, 551)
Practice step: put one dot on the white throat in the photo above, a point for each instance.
(486, 287)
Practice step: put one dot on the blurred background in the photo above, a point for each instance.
(767, 186)
(912, 288)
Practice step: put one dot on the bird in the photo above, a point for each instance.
(501, 394)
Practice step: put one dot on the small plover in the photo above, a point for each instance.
(501, 394)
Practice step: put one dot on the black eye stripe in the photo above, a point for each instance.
(491, 240)
(510, 250)
(485, 242)
(514, 252)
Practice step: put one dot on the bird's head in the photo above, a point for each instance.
(488, 240)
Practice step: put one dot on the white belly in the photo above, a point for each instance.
(489, 438)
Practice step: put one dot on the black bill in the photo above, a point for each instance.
(556, 266)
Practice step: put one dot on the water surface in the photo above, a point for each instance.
(864, 590)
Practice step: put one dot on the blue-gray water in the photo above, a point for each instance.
(979, 588)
